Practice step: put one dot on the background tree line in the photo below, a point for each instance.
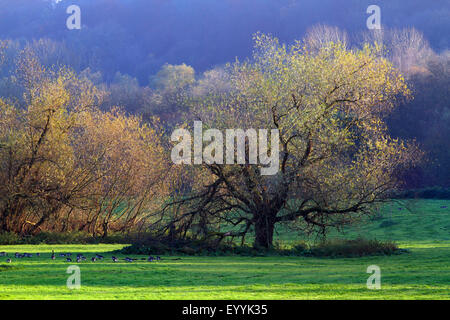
(200, 33)
(70, 162)
(84, 133)
(424, 118)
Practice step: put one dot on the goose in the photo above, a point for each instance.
(68, 260)
(158, 258)
(78, 259)
(128, 259)
(8, 260)
(99, 257)
(38, 254)
(62, 254)
(93, 259)
(2, 254)
(114, 259)
(150, 259)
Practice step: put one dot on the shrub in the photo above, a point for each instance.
(331, 248)
(300, 248)
(9, 238)
(178, 246)
(353, 248)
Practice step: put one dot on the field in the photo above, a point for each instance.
(424, 273)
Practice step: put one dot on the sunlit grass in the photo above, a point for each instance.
(424, 273)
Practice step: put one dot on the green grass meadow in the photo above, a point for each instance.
(424, 273)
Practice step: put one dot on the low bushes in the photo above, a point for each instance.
(330, 248)
(354, 248)
(148, 245)
(10, 238)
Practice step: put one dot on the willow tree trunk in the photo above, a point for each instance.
(264, 227)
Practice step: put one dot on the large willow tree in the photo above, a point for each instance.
(336, 157)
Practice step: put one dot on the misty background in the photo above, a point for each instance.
(125, 45)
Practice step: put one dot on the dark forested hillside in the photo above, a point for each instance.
(201, 33)
(126, 46)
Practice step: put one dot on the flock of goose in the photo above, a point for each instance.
(79, 258)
